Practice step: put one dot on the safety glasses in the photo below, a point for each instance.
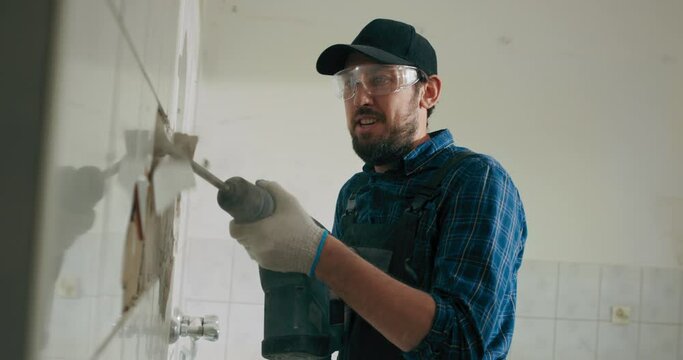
(375, 79)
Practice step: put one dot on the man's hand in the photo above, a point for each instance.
(287, 240)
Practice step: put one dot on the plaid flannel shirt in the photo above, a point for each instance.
(479, 230)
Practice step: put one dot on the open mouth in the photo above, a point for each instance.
(366, 122)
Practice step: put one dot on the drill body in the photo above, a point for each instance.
(300, 321)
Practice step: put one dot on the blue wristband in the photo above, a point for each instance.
(321, 244)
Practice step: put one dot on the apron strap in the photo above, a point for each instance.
(400, 261)
(349, 215)
(360, 340)
(429, 191)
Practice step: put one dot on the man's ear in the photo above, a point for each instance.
(432, 92)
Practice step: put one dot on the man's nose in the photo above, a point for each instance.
(362, 96)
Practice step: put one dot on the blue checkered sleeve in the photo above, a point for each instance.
(481, 231)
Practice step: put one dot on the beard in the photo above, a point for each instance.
(392, 146)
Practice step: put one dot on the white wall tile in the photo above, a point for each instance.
(576, 339)
(99, 94)
(107, 312)
(578, 291)
(80, 264)
(154, 340)
(159, 56)
(66, 332)
(533, 339)
(245, 332)
(246, 283)
(153, 28)
(208, 269)
(207, 350)
(111, 264)
(128, 331)
(207, 219)
(151, 54)
(131, 137)
(133, 118)
(113, 350)
(537, 289)
(184, 348)
(617, 342)
(620, 285)
(129, 347)
(116, 6)
(136, 16)
(80, 119)
(85, 66)
(661, 295)
(658, 342)
(144, 335)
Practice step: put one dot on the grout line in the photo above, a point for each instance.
(227, 330)
(107, 340)
(678, 343)
(641, 281)
(183, 252)
(118, 17)
(557, 310)
(101, 276)
(256, 303)
(246, 303)
(584, 320)
(557, 306)
(680, 316)
(232, 271)
(232, 288)
(597, 330)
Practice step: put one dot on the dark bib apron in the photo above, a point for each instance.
(388, 247)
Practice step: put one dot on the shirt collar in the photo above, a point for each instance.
(418, 157)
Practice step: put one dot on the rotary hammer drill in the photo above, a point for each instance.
(300, 322)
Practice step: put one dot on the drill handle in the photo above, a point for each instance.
(244, 201)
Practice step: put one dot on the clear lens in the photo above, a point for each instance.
(375, 79)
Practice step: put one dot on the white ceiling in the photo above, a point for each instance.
(283, 38)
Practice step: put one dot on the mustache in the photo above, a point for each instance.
(369, 111)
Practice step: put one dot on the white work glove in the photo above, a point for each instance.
(287, 240)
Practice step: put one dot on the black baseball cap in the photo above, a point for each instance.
(387, 42)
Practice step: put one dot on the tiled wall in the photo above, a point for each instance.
(114, 65)
(564, 311)
(220, 279)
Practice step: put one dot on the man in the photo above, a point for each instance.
(427, 239)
